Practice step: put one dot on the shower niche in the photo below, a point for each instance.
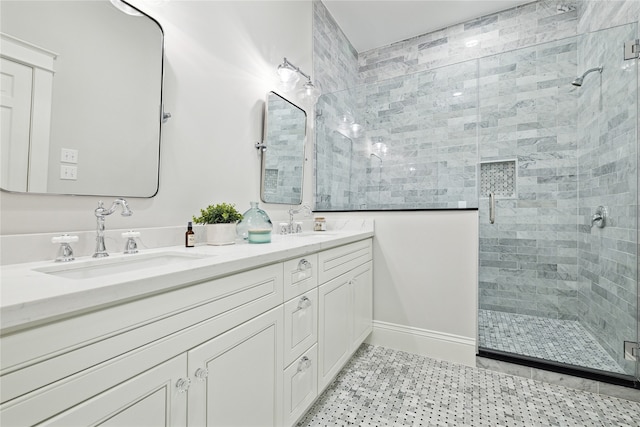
(499, 178)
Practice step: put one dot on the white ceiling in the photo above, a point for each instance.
(374, 23)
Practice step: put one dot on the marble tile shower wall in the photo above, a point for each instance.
(422, 133)
(334, 183)
(425, 166)
(607, 176)
(522, 26)
(335, 60)
(335, 66)
(528, 257)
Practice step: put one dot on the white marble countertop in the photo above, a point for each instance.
(29, 297)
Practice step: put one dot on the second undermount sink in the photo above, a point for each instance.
(122, 264)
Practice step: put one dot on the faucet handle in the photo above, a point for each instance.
(65, 252)
(284, 228)
(131, 247)
(65, 238)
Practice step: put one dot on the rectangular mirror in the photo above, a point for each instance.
(285, 129)
(81, 98)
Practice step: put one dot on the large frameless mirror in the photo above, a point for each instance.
(285, 127)
(81, 98)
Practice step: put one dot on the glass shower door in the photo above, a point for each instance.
(551, 286)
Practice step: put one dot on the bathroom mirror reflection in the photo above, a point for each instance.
(83, 117)
(285, 126)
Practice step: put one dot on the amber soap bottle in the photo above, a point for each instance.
(189, 236)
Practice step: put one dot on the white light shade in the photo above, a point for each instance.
(288, 75)
(309, 92)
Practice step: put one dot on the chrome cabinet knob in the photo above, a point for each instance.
(183, 384)
(201, 374)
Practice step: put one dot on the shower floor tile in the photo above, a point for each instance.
(384, 387)
(564, 341)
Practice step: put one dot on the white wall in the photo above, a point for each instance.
(425, 282)
(220, 62)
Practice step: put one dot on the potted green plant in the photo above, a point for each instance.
(220, 223)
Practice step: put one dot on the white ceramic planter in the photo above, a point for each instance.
(221, 234)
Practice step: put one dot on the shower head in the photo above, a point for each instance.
(578, 81)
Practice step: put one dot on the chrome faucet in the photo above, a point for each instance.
(101, 212)
(291, 227)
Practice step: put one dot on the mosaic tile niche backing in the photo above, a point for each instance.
(499, 178)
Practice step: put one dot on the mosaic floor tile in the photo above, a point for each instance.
(564, 341)
(384, 387)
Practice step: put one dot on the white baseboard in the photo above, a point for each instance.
(438, 345)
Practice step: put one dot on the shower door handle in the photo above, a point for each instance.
(492, 207)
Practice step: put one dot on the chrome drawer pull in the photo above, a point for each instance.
(304, 303)
(303, 265)
(304, 364)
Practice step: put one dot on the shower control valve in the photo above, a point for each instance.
(599, 218)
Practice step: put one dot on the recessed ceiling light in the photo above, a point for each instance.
(471, 43)
(457, 93)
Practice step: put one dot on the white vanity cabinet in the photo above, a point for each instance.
(344, 306)
(47, 371)
(250, 348)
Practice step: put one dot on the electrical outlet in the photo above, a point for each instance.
(68, 155)
(68, 172)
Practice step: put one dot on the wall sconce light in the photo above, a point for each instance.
(290, 75)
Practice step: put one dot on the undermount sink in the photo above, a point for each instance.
(107, 266)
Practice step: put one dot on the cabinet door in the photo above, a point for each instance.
(362, 290)
(334, 328)
(238, 375)
(152, 398)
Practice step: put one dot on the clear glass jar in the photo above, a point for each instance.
(255, 226)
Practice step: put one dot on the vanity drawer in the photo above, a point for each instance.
(300, 275)
(337, 261)
(42, 355)
(300, 385)
(300, 325)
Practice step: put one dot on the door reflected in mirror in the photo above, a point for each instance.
(85, 116)
(285, 128)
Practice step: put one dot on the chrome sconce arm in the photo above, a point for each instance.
(289, 76)
(286, 65)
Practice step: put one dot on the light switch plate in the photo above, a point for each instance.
(68, 172)
(68, 155)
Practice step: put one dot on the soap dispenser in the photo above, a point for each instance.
(189, 236)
